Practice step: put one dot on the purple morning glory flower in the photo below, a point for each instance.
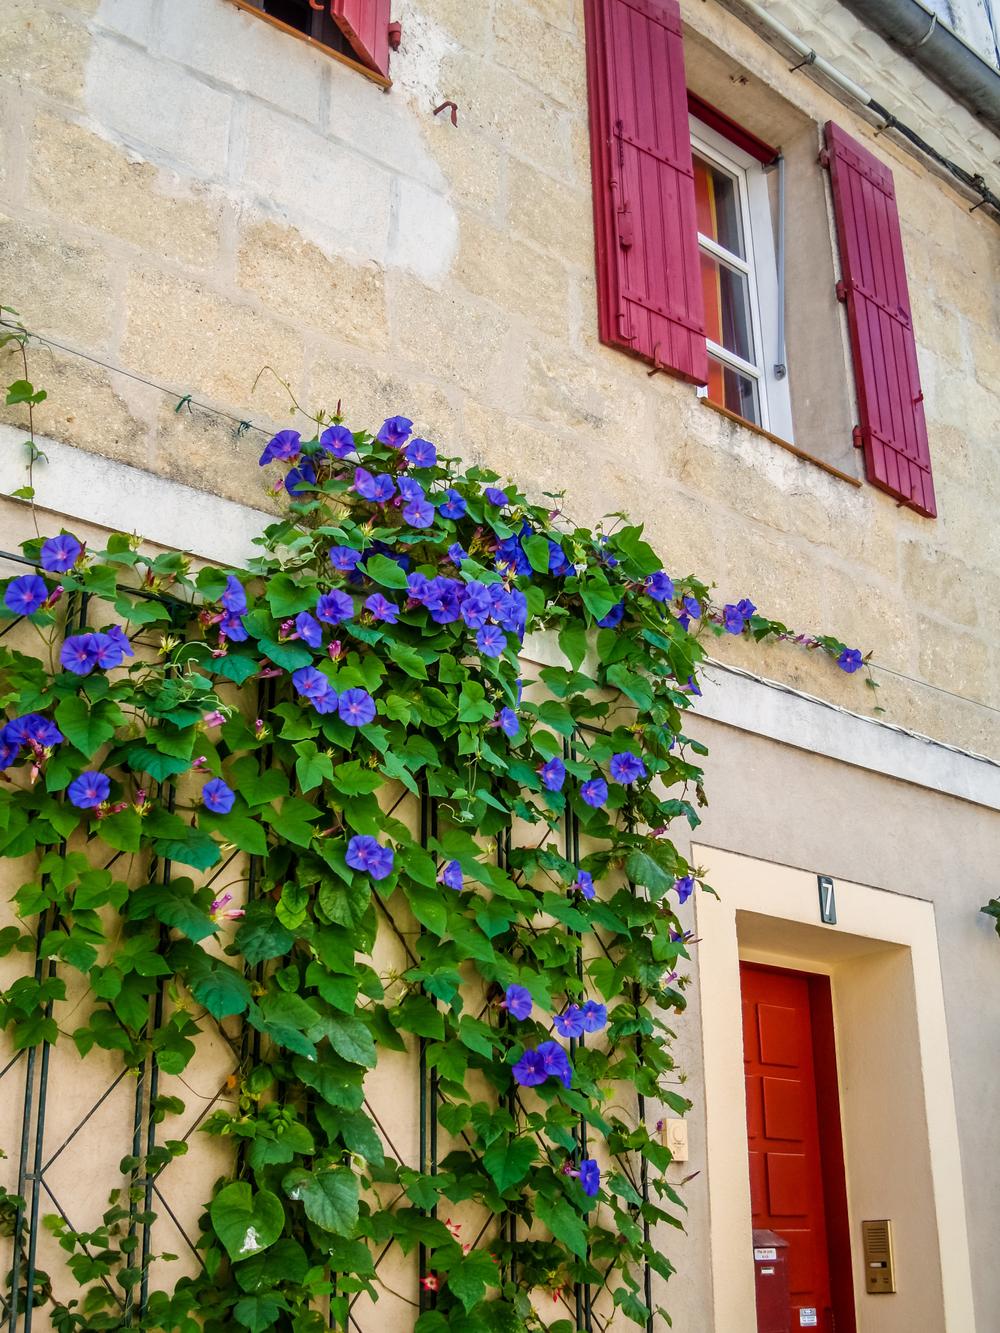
(451, 876)
(364, 483)
(585, 884)
(495, 496)
(477, 605)
(108, 651)
(301, 478)
(395, 431)
(594, 1015)
(283, 447)
(60, 554)
(556, 1062)
(684, 887)
(732, 619)
(746, 608)
(850, 660)
(410, 490)
(232, 627)
(309, 629)
(33, 727)
(421, 453)
(508, 722)
(89, 790)
(234, 599)
(626, 768)
(530, 1070)
(510, 609)
(512, 556)
(217, 797)
(419, 514)
(8, 753)
(382, 609)
(25, 595)
(491, 641)
(384, 488)
(569, 1024)
(559, 566)
(334, 607)
(517, 1002)
(614, 617)
(311, 683)
(456, 554)
(116, 633)
(454, 506)
(590, 1177)
(660, 586)
(79, 654)
(364, 853)
(337, 440)
(356, 708)
(553, 774)
(344, 559)
(692, 606)
(594, 792)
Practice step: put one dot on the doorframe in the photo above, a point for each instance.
(882, 958)
(831, 1140)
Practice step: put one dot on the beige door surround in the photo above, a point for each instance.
(900, 1133)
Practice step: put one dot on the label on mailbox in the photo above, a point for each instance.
(807, 1317)
(765, 1253)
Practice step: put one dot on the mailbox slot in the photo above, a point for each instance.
(770, 1267)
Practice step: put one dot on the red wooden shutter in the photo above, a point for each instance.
(365, 24)
(892, 430)
(648, 269)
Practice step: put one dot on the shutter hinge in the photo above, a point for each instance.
(626, 233)
(824, 158)
(858, 436)
(395, 36)
(623, 328)
(841, 290)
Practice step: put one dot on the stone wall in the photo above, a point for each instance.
(191, 195)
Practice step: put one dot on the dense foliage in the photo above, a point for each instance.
(356, 718)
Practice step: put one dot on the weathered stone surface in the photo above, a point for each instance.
(515, 277)
(446, 334)
(58, 286)
(551, 215)
(369, 395)
(41, 50)
(542, 53)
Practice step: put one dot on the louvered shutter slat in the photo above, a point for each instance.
(365, 24)
(649, 283)
(893, 427)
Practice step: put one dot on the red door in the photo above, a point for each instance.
(785, 1060)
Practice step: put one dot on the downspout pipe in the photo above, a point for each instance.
(912, 28)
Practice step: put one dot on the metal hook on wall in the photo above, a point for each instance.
(454, 111)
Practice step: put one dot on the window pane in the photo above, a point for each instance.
(718, 204)
(727, 308)
(731, 388)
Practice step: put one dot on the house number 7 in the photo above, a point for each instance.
(827, 900)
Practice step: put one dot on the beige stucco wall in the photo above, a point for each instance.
(190, 195)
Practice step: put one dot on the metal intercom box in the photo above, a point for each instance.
(880, 1271)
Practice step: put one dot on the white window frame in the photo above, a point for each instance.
(760, 269)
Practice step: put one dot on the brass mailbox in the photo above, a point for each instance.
(880, 1272)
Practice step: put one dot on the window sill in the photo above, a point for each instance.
(782, 444)
(356, 65)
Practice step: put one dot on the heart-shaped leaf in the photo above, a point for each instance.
(246, 1222)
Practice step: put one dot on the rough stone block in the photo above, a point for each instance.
(425, 230)
(575, 393)
(58, 287)
(368, 395)
(947, 586)
(42, 51)
(181, 333)
(205, 452)
(295, 278)
(458, 340)
(551, 215)
(514, 276)
(148, 206)
(957, 660)
(472, 167)
(542, 54)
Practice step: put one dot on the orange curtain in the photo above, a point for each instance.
(704, 195)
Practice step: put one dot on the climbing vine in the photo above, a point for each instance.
(375, 656)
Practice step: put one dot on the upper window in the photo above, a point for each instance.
(739, 283)
(356, 29)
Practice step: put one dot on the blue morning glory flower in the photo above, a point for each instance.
(60, 554)
(395, 431)
(309, 629)
(684, 887)
(232, 627)
(594, 792)
(217, 797)
(585, 884)
(626, 768)
(732, 619)
(692, 606)
(315, 687)
(79, 654)
(660, 586)
(89, 790)
(614, 617)
(32, 727)
(850, 660)
(510, 609)
(456, 554)
(366, 854)
(233, 598)
(25, 595)
(558, 564)
(301, 478)
(109, 651)
(477, 605)
(511, 555)
(344, 559)
(283, 447)
(451, 876)
(590, 1177)
(569, 1024)
(9, 751)
(356, 708)
(746, 608)
(410, 489)
(337, 440)
(553, 774)
(382, 609)
(421, 453)
(364, 483)
(491, 641)
(556, 1062)
(118, 634)
(595, 1016)
(517, 1002)
(495, 496)
(508, 722)
(454, 506)
(384, 488)
(419, 514)
(333, 608)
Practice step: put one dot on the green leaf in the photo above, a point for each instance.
(222, 991)
(407, 660)
(471, 1276)
(330, 1198)
(143, 758)
(88, 728)
(311, 768)
(537, 550)
(598, 598)
(261, 936)
(291, 656)
(293, 821)
(196, 849)
(287, 598)
(245, 1222)
(354, 779)
(258, 1313)
(351, 1040)
(509, 1161)
(385, 571)
(428, 906)
(573, 642)
(564, 1222)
